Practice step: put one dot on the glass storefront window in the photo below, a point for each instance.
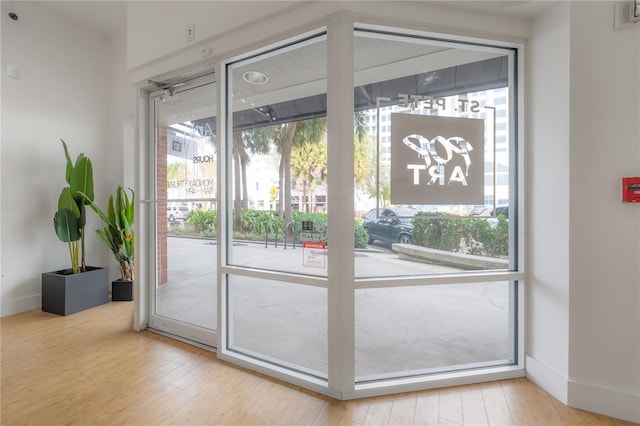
(433, 182)
(412, 331)
(433, 287)
(282, 323)
(278, 213)
(276, 207)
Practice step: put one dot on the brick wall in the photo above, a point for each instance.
(161, 219)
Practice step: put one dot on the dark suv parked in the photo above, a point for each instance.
(392, 225)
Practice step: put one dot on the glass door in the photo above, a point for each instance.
(184, 210)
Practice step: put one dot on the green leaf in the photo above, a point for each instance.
(129, 204)
(94, 207)
(69, 167)
(111, 214)
(66, 201)
(82, 179)
(118, 234)
(107, 237)
(66, 226)
(82, 220)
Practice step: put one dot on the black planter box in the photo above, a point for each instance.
(121, 290)
(65, 293)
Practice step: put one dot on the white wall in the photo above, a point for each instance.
(121, 100)
(584, 242)
(158, 28)
(122, 104)
(63, 91)
(547, 151)
(604, 345)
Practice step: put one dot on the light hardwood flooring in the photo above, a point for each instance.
(90, 368)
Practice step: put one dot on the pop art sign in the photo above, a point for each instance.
(436, 160)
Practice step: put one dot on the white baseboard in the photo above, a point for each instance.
(610, 402)
(548, 379)
(597, 399)
(20, 304)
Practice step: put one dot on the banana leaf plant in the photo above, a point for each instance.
(118, 234)
(70, 219)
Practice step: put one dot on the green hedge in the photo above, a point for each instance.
(319, 221)
(203, 222)
(256, 222)
(466, 235)
(361, 234)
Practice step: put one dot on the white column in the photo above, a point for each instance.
(341, 320)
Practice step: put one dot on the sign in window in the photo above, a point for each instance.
(436, 160)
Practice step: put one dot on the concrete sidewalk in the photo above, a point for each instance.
(405, 329)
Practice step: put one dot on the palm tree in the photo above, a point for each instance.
(361, 150)
(255, 141)
(383, 187)
(311, 131)
(285, 137)
(298, 133)
(284, 143)
(237, 152)
(309, 164)
(284, 203)
(246, 142)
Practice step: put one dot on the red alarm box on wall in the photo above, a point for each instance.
(631, 189)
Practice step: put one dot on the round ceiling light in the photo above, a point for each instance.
(255, 77)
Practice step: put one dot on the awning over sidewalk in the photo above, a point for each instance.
(461, 79)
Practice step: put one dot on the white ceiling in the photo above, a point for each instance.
(107, 17)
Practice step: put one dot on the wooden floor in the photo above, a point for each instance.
(90, 368)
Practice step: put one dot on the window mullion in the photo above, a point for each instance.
(341, 316)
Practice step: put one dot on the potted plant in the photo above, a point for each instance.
(119, 237)
(71, 290)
